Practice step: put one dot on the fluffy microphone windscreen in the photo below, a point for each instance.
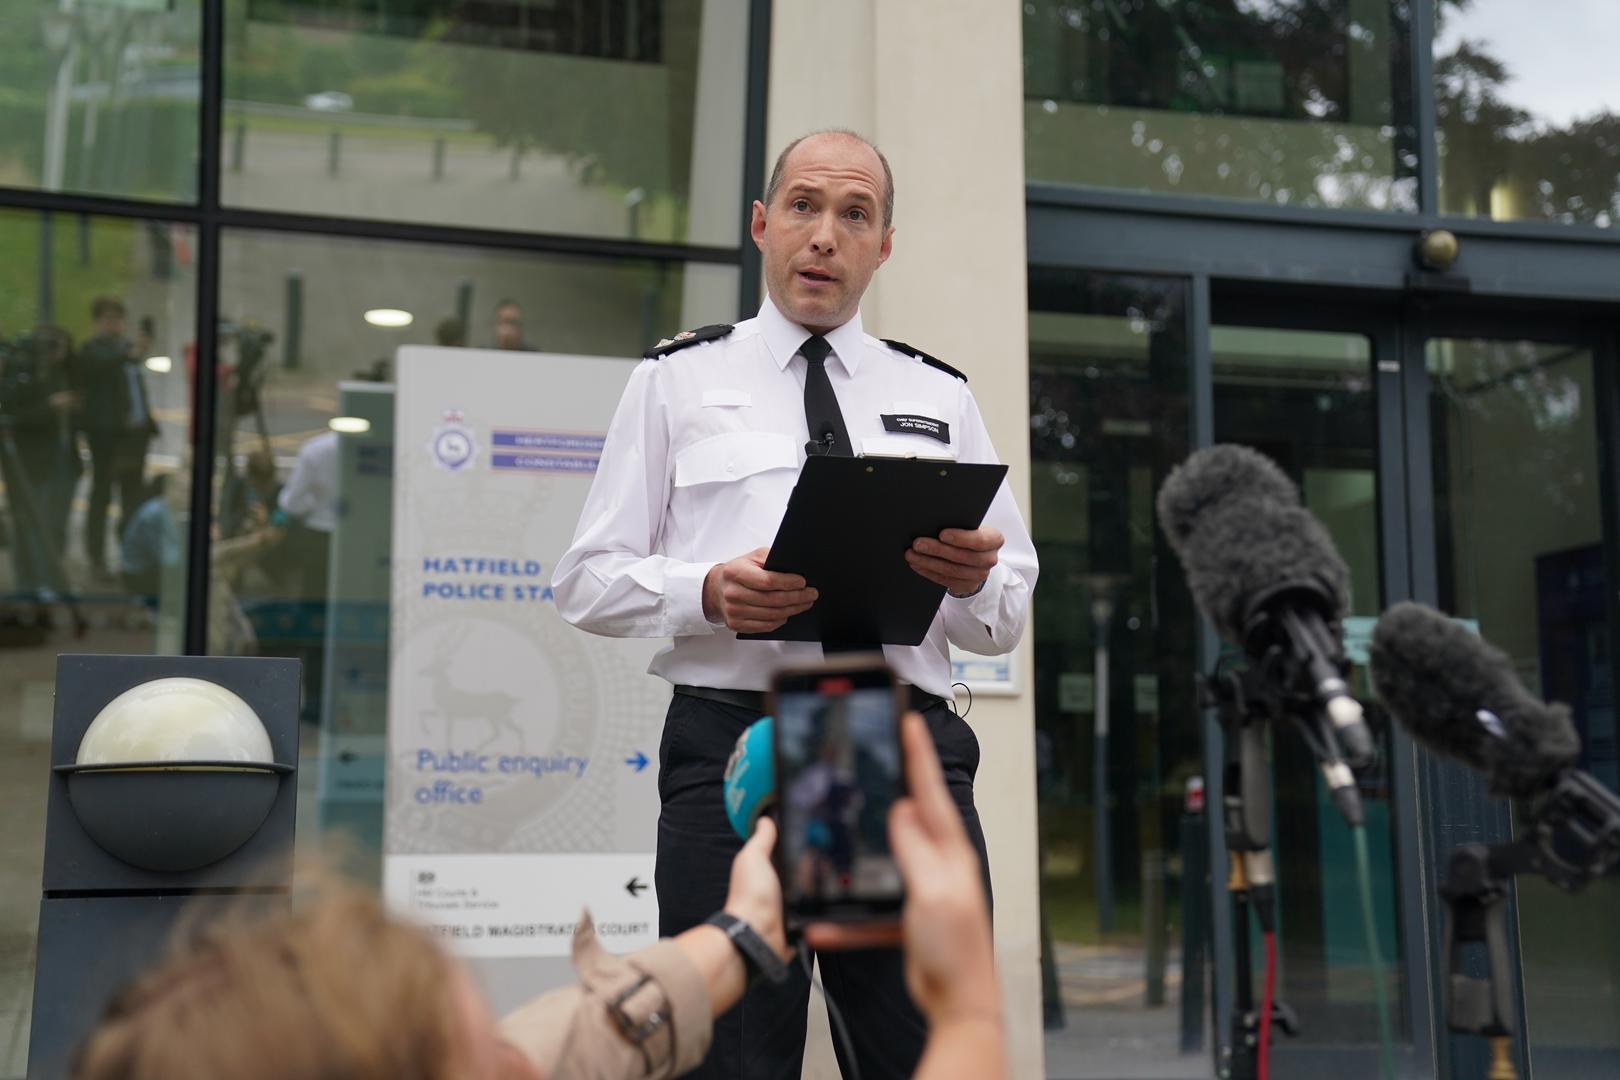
(1435, 677)
(1213, 475)
(1235, 522)
(750, 780)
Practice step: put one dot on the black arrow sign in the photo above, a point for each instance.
(635, 886)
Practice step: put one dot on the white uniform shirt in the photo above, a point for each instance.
(700, 459)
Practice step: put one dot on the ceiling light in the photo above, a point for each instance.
(349, 425)
(389, 317)
(160, 364)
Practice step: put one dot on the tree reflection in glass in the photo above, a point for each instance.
(1298, 102)
(1524, 129)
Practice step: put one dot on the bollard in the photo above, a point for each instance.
(238, 145)
(293, 335)
(438, 158)
(1153, 925)
(464, 304)
(1195, 886)
(334, 151)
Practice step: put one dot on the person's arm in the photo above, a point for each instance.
(990, 571)
(611, 581)
(945, 925)
(651, 1014)
(297, 496)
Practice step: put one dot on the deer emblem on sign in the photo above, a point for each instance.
(459, 705)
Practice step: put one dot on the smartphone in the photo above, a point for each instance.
(838, 771)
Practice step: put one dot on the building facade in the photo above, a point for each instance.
(1375, 239)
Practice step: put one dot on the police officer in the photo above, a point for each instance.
(700, 459)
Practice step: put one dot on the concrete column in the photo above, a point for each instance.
(939, 87)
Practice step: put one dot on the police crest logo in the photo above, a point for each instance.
(453, 446)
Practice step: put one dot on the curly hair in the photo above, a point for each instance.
(335, 990)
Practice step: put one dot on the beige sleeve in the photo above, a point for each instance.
(642, 1015)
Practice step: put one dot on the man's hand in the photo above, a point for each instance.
(756, 894)
(960, 560)
(750, 599)
(945, 927)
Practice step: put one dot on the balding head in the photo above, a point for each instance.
(823, 228)
(780, 167)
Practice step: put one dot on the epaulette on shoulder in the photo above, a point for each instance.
(931, 361)
(688, 337)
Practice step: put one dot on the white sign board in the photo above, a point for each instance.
(522, 753)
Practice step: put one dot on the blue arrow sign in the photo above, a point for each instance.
(638, 762)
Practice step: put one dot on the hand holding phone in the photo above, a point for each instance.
(945, 928)
(838, 774)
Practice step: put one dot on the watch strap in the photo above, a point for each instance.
(758, 958)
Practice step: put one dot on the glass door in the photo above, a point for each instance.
(1123, 866)
(1521, 419)
(1316, 388)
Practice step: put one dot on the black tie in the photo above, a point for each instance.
(827, 432)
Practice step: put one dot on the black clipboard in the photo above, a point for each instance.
(847, 527)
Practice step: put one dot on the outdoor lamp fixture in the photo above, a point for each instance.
(172, 794)
(173, 774)
(1437, 250)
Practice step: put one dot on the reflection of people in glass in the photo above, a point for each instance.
(151, 544)
(309, 502)
(450, 333)
(117, 422)
(509, 327)
(825, 798)
(37, 406)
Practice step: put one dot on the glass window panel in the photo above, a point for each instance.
(303, 506)
(1528, 110)
(100, 96)
(1108, 419)
(602, 117)
(1306, 400)
(95, 418)
(1270, 100)
(1519, 529)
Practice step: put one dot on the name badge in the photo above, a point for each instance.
(912, 424)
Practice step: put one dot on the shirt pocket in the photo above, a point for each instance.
(734, 456)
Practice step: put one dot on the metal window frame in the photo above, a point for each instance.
(210, 219)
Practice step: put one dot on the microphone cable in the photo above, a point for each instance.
(833, 1014)
(952, 703)
(1375, 963)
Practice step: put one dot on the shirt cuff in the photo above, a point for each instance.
(985, 605)
(683, 600)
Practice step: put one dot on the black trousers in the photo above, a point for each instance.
(762, 1036)
(117, 461)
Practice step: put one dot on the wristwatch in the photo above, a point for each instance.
(758, 958)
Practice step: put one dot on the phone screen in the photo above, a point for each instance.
(838, 772)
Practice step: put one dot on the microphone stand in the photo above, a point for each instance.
(1284, 682)
(1245, 704)
(1573, 838)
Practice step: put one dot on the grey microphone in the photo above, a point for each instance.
(1459, 696)
(1266, 573)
